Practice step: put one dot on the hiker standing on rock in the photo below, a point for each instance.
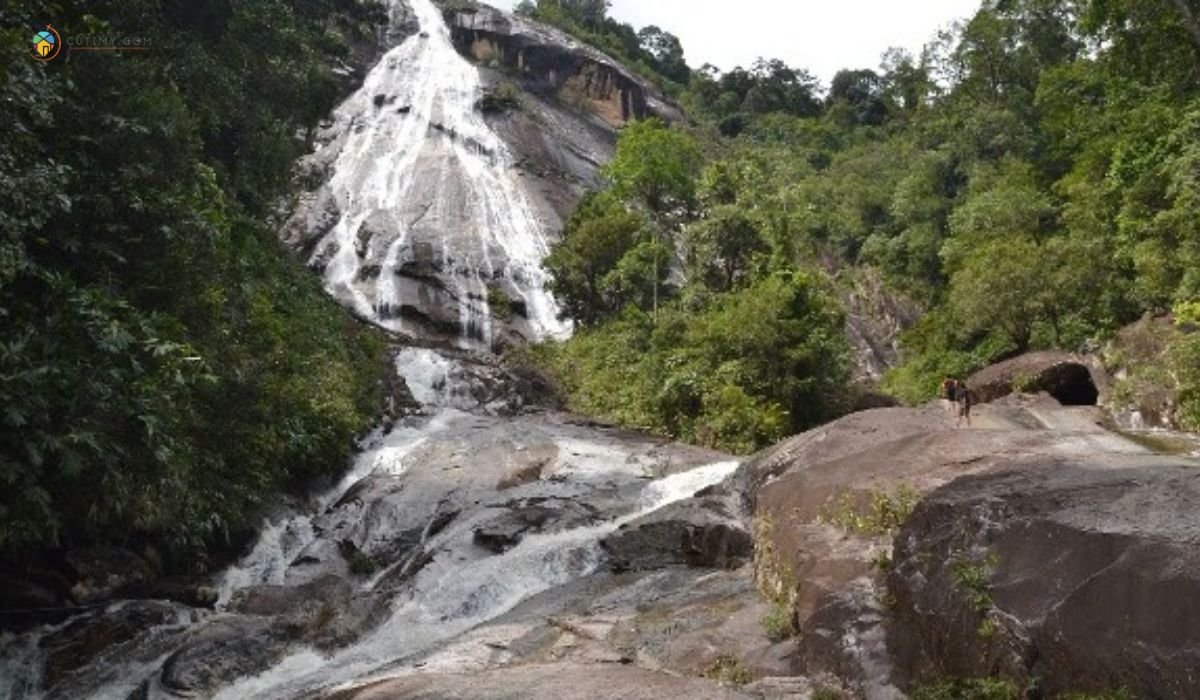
(950, 392)
(963, 395)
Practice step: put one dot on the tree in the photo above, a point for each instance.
(1015, 284)
(780, 88)
(656, 167)
(666, 51)
(859, 93)
(596, 239)
(1156, 41)
(721, 246)
(905, 83)
(1002, 201)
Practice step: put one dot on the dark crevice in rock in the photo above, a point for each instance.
(1072, 385)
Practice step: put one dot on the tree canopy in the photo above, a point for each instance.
(1029, 180)
(166, 368)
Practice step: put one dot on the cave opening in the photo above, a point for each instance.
(1072, 385)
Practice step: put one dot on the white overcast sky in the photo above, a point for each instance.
(823, 36)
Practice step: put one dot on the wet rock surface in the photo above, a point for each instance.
(699, 532)
(84, 639)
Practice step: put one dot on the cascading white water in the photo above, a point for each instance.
(451, 596)
(419, 169)
(280, 542)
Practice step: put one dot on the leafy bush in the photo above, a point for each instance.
(751, 367)
(505, 97)
(778, 623)
(969, 689)
(166, 367)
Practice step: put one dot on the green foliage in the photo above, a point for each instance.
(739, 373)
(589, 274)
(779, 624)
(165, 366)
(652, 52)
(505, 97)
(875, 513)
(1187, 313)
(1185, 356)
(361, 564)
(968, 689)
(655, 166)
(729, 670)
(500, 304)
(828, 694)
(974, 580)
(1031, 179)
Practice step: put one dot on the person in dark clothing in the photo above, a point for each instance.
(950, 392)
(962, 394)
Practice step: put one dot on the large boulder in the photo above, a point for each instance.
(506, 530)
(87, 638)
(1078, 575)
(1072, 379)
(223, 650)
(828, 503)
(326, 613)
(700, 532)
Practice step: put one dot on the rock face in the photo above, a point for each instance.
(1143, 396)
(555, 65)
(1072, 379)
(435, 191)
(559, 680)
(1027, 514)
(875, 318)
(1074, 575)
(701, 532)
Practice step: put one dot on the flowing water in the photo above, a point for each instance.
(421, 182)
(417, 169)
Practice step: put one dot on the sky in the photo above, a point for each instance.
(823, 36)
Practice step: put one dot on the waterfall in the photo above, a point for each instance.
(416, 169)
(427, 204)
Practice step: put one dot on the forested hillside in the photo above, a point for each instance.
(1032, 179)
(166, 368)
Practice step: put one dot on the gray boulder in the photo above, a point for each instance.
(698, 532)
(1072, 379)
(1068, 576)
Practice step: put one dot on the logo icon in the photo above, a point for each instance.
(46, 44)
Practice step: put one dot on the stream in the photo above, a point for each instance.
(449, 518)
